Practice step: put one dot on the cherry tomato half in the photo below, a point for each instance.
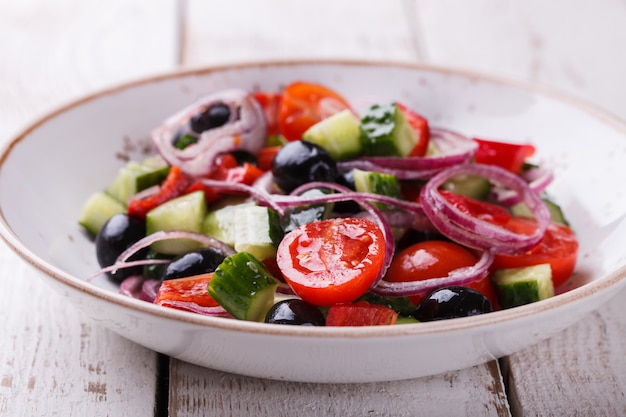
(304, 104)
(558, 247)
(435, 259)
(509, 156)
(332, 261)
(420, 125)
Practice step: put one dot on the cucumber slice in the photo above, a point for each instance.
(257, 230)
(220, 223)
(243, 286)
(519, 286)
(339, 135)
(386, 132)
(308, 213)
(99, 208)
(182, 213)
(376, 183)
(472, 186)
(556, 213)
(135, 176)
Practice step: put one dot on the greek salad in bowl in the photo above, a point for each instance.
(297, 207)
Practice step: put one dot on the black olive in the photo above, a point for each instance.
(200, 261)
(215, 116)
(117, 235)
(300, 162)
(452, 302)
(295, 311)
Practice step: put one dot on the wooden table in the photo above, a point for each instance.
(56, 362)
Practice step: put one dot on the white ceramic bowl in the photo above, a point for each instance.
(48, 171)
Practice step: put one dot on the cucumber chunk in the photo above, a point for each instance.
(220, 223)
(244, 287)
(386, 132)
(339, 135)
(556, 213)
(257, 231)
(99, 208)
(182, 213)
(472, 186)
(305, 214)
(376, 183)
(136, 176)
(519, 286)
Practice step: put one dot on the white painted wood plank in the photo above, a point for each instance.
(573, 46)
(53, 52)
(472, 392)
(581, 372)
(234, 31)
(53, 360)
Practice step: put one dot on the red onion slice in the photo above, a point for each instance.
(217, 311)
(453, 148)
(461, 276)
(477, 233)
(246, 130)
(538, 180)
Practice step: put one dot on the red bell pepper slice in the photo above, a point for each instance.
(188, 289)
(174, 185)
(360, 313)
(420, 125)
(509, 156)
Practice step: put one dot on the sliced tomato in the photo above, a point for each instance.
(435, 259)
(332, 261)
(558, 247)
(509, 156)
(270, 103)
(420, 125)
(189, 289)
(360, 313)
(478, 209)
(303, 104)
(174, 185)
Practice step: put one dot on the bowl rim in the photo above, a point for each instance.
(614, 278)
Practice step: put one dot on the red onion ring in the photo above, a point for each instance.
(461, 276)
(453, 148)
(246, 130)
(477, 233)
(538, 180)
(194, 308)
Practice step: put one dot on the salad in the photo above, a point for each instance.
(294, 207)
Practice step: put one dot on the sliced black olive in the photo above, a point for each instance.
(296, 312)
(200, 261)
(300, 162)
(244, 156)
(452, 302)
(215, 116)
(117, 235)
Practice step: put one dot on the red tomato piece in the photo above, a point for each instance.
(558, 247)
(270, 103)
(266, 156)
(332, 261)
(360, 313)
(435, 259)
(303, 104)
(509, 156)
(189, 289)
(479, 209)
(174, 185)
(420, 125)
